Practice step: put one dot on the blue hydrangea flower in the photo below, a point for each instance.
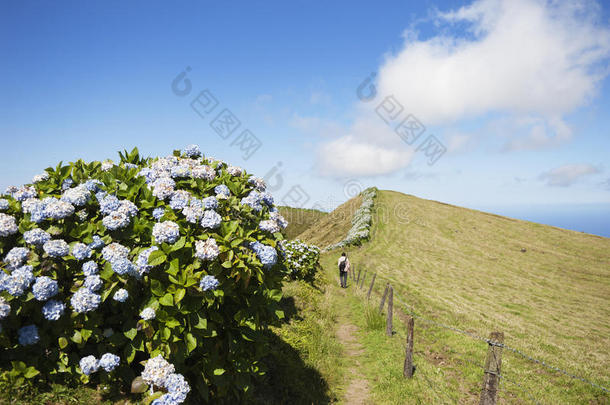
(130, 166)
(148, 313)
(8, 226)
(16, 257)
(97, 243)
(85, 300)
(40, 177)
(116, 220)
(90, 268)
(163, 188)
(211, 219)
(166, 232)
(57, 209)
(56, 248)
(206, 250)
(3, 204)
(222, 191)
(269, 226)
(45, 288)
(89, 365)
(109, 361)
(179, 200)
(192, 151)
(67, 183)
(128, 208)
(203, 172)
(156, 371)
(122, 266)
(18, 281)
(158, 213)
(80, 251)
(193, 214)
(210, 203)
(114, 251)
(5, 308)
(267, 198)
(266, 254)
(253, 200)
(77, 196)
(142, 261)
(208, 283)
(28, 335)
(93, 185)
(180, 171)
(121, 295)
(149, 174)
(24, 192)
(177, 387)
(52, 310)
(109, 204)
(93, 282)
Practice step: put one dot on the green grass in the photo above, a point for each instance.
(333, 227)
(299, 220)
(465, 268)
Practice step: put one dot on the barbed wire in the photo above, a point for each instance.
(411, 311)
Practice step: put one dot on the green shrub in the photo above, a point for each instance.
(185, 248)
(302, 260)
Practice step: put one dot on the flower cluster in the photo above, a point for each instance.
(206, 250)
(266, 254)
(76, 245)
(208, 283)
(302, 260)
(160, 373)
(166, 232)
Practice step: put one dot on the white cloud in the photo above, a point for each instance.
(525, 57)
(348, 156)
(567, 175)
(528, 61)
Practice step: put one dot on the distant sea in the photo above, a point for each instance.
(589, 218)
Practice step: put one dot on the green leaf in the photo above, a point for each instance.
(76, 337)
(219, 371)
(156, 258)
(63, 342)
(202, 323)
(30, 372)
(167, 300)
(179, 295)
(157, 288)
(191, 342)
(131, 333)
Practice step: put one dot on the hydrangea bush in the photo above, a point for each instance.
(162, 269)
(361, 221)
(302, 260)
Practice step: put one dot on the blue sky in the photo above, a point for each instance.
(517, 93)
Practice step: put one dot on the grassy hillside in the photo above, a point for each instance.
(333, 227)
(299, 219)
(546, 288)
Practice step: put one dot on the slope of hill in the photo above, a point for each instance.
(333, 227)
(546, 288)
(299, 219)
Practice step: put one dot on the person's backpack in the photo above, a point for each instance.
(342, 265)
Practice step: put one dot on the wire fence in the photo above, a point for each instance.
(502, 377)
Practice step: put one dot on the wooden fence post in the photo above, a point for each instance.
(358, 279)
(363, 277)
(368, 296)
(493, 363)
(385, 294)
(408, 367)
(388, 323)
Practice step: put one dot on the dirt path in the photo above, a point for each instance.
(358, 389)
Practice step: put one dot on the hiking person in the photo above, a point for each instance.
(343, 269)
